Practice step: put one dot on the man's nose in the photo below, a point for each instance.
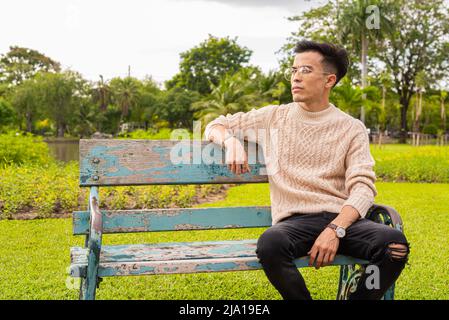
(297, 77)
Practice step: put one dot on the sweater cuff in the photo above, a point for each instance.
(360, 203)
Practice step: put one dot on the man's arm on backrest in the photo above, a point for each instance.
(241, 124)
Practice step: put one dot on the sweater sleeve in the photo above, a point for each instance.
(360, 176)
(243, 124)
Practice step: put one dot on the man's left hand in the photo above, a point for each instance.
(324, 249)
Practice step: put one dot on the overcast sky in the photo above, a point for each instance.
(105, 36)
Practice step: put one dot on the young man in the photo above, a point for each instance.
(321, 179)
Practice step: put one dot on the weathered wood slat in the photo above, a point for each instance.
(176, 219)
(107, 162)
(171, 251)
(170, 258)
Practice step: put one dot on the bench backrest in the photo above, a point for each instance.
(106, 162)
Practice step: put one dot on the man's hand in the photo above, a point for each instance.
(326, 245)
(324, 249)
(236, 157)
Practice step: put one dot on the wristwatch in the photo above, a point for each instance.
(340, 231)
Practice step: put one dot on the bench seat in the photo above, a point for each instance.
(180, 257)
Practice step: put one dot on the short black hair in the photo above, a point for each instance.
(335, 58)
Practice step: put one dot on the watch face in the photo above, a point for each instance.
(340, 232)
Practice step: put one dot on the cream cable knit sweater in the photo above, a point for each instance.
(316, 161)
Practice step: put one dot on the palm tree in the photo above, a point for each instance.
(352, 24)
(234, 93)
(102, 94)
(273, 87)
(347, 97)
(126, 94)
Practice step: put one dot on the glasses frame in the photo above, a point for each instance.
(291, 72)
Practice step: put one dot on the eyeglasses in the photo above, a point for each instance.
(303, 70)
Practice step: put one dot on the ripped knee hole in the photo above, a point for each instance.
(398, 251)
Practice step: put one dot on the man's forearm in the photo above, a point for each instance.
(347, 216)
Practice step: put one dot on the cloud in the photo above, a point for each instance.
(106, 36)
(286, 4)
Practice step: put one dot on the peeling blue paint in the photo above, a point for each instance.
(163, 171)
(154, 220)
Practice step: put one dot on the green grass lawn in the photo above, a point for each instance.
(34, 255)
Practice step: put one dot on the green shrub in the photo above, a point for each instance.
(430, 129)
(151, 134)
(40, 189)
(23, 149)
(53, 188)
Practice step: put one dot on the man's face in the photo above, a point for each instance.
(312, 85)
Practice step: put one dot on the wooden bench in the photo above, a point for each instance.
(106, 162)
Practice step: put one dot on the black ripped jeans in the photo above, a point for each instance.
(294, 236)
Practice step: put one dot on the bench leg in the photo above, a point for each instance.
(389, 295)
(82, 290)
(349, 279)
(90, 283)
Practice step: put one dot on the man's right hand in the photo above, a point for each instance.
(236, 157)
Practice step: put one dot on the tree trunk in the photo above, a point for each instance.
(29, 122)
(416, 126)
(364, 59)
(443, 116)
(61, 130)
(404, 107)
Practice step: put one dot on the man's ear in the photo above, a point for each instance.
(331, 80)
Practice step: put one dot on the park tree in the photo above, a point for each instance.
(347, 97)
(273, 88)
(385, 84)
(421, 82)
(148, 109)
(26, 103)
(443, 97)
(125, 95)
(177, 107)
(414, 39)
(318, 24)
(362, 22)
(60, 96)
(85, 119)
(7, 114)
(204, 65)
(417, 43)
(20, 64)
(101, 94)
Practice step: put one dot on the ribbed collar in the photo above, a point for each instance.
(314, 117)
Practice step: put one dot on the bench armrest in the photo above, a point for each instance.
(384, 214)
(96, 218)
(93, 245)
